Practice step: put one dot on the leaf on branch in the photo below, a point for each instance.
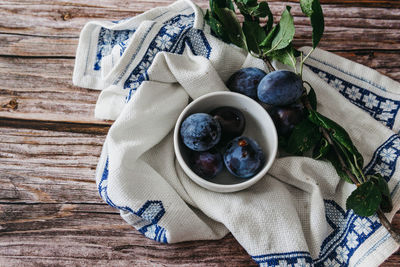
(303, 138)
(222, 4)
(343, 147)
(246, 2)
(216, 27)
(261, 10)
(228, 19)
(286, 56)
(313, 10)
(312, 97)
(285, 32)
(365, 200)
(254, 34)
(267, 42)
(386, 204)
(268, 26)
(340, 136)
(333, 159)
(322, 149)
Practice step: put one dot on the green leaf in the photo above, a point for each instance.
(342, 145)
(339, 135)
(222, 4)
(216, 27)
(246, 2)
(304, 137)
(365, 199)
(286, 31)
(313, 10)
(267, 42)
(333, 159)
(312, 97)
(268, 26)
(254, 35)
(386, 204)
(322, 149)
(229, 21)
(286, 56)
(260, 11)
(252, 11)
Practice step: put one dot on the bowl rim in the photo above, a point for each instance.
(215, 186)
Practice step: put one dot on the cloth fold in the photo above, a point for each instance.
(150, 67)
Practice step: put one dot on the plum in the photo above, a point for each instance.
(243, 157)
(232, 122)
(280, 88)
(287, 117)
(200, 132)
(245, 81)
(206, 164)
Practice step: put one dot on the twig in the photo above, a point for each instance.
(341, 160)
(269, 65)
(384, 221)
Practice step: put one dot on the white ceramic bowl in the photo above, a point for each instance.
(259, 126)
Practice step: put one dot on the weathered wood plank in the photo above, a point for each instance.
(60, 24)
(52, 163)
(85, 235)
(41, 88)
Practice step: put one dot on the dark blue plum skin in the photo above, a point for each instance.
(287, 117)
(232, 122)
(245, 81)
(206, 164)
(280, 88)
(243, 157)
(200, 132)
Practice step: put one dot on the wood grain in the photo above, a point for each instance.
(50, 211)
(49, 94)
(45, 29)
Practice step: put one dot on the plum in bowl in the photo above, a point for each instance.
(259, 126)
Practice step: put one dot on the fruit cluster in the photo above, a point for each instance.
(215, 140)
(281, 90)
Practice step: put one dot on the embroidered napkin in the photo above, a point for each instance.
(150, 67)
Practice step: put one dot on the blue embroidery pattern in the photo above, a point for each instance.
(148, 215)
(385, 158)
(298, 259)
(107, 40)
(349, 229)
(172, 37)
(380, 108)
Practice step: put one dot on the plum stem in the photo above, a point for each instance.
(269, 64)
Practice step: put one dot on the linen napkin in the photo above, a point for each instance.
(150, 67)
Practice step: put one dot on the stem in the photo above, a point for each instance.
(301, 65)
(341, 160)
(303, 60)
(382, 218)
(268, 62)
(385, 222)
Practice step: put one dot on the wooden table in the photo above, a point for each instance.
(50, 210)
